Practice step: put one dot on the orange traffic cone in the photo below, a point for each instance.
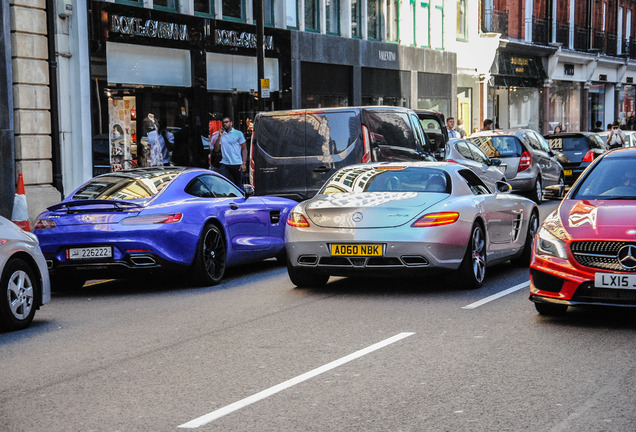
(20, 215)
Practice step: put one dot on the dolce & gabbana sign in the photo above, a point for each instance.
(148, 28)
(236, 39)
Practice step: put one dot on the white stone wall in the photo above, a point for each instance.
(31, 103)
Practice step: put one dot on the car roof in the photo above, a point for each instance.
(501, 132)
(334, 109)
(570, 134)
(621, 152)
(446, 166)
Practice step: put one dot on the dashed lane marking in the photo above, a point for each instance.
(496, 296)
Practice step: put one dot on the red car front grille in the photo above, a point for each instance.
(599, 254)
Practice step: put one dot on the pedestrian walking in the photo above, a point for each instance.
(161, 143)
(460, 128)
(487, 125)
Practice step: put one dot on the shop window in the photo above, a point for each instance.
(268, 12)
(312, 15)
(332, 11)
(462, 31)
(130, 2)
(169, 5)
(291, 19)
(392, 21)
(233, 10)
(204, 7)
(356, 19)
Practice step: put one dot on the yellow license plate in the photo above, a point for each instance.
(356, 250)
(567, 172)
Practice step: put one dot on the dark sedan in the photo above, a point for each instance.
(575, 151)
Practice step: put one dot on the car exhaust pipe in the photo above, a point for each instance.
(142, 260)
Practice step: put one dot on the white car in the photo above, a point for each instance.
(24, 284)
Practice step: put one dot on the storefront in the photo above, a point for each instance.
(333, 71)
(564, 106)
(153, 70)
(514, 98)
(626, 99)
(596, 104)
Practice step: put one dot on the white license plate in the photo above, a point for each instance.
(615, 280)
(89, 253)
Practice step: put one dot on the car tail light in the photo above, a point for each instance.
(436, 219)
(44, 224)
(524, 162)
(366, 157)
(589, 156)
(153, 219)
(451, 160)
(297, 220)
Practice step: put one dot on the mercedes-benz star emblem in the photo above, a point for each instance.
(357, 217)
(627, 256)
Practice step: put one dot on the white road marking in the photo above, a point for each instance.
(214, 415)
(496, 296)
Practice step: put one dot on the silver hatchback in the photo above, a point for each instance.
(466, 153)
(531, 166)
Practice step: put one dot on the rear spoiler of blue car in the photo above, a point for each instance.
(115, 205)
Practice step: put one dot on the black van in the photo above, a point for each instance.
(293, 153)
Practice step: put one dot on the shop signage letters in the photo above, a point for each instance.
(387, 55)
(150, 28)
(237, 39)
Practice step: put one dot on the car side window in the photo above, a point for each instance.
(477, 187)
(478, 155)
(199, 189)
(418, 132)
(220, 187)
(463, 150)
(532, 141)
(542, 142)
(389, 129)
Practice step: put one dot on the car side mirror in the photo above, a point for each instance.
(249, 190)
(503, 187)
(495, 162)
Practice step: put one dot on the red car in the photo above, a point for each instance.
(585, 251)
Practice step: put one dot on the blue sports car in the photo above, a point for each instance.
(144, 220)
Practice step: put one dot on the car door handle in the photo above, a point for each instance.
(234, 206)
(322, 169)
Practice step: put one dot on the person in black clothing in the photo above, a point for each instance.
(597, 126)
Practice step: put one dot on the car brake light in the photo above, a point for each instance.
(153, 219)
(366, 157)
(451, 160)
(589, 156)
(44, 224)
(436, 219)
(297, 220)
(524, 162)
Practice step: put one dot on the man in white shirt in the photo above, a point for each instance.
(450, 128)
(616, 136)
(232, 144)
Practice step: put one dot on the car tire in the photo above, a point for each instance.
(550, 309)
(536, 194)
(305, 278)
(523, 260)
(19, 296)
(472, 270)
(66, 284)
(210, 259)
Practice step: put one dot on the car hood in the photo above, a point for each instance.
(599, 219)
(369, 209)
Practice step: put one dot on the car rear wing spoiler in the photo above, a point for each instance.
(114, 205)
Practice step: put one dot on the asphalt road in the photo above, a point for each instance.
(257, 354)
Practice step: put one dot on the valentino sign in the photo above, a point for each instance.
(148, 28)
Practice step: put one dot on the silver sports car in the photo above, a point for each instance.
(392, 219)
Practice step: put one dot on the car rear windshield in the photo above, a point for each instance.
(498, 146)
(122, 187)
(314, 134)
(388, 179)
(569, 144)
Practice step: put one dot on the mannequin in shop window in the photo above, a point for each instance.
(161, 143)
